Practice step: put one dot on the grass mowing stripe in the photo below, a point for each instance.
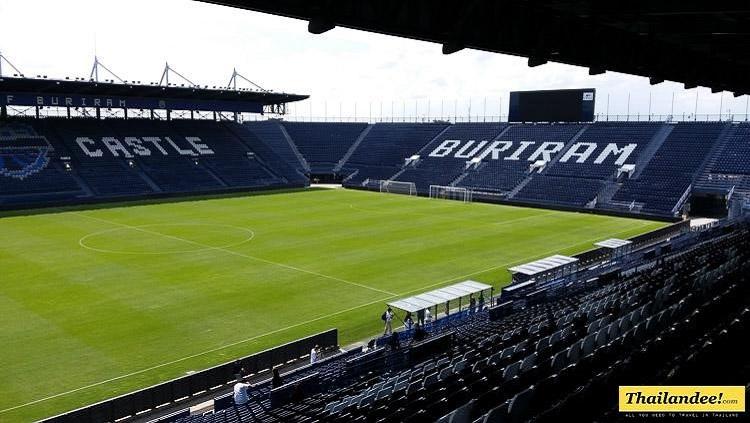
(393, 296)
(209, 247)
(71, 318)
(235, 343)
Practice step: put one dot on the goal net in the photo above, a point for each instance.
(398, 187)
(450, 193)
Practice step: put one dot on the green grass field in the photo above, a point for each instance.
(98, 302)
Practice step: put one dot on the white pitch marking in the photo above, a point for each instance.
(242, 341)
(82, 242)
(209, 247)
(283, 329)
(500, 223)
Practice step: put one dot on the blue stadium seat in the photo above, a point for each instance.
(323, 144)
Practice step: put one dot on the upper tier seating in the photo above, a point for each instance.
(232, 162)
(172, 172)
(443, 170)
(735, 157)
(289, 171)
(560, 191)
(28, 166)
(106, 175)
(126, 158)
(673, 168)
(503, 175)
(323, 144)
(270, 133)
(386, 146)
(731, 167)
(259, 155)
(602, 134)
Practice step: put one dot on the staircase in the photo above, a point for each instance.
(436, 137)
(213, 174)
(352, 149)
(293, 146)
(713, 156)
(565, 148)
(681, 202)
(146, 178)
(466, 172)
(607, 192)
(84, 186)
(350, 176)
(651, 149)
(404, 167)
(270, 169)
(394, 177)
(459, 179)
(520, 186)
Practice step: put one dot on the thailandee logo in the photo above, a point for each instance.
(22, 153)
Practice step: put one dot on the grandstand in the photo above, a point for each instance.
(576, 166)
(166, 243)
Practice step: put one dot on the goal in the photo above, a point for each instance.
(450, 193)
(398, 187)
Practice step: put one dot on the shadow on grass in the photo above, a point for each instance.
(119, 203)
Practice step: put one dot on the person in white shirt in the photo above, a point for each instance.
(314, 354)
(388, 317)
(240, 393)
(427, 316)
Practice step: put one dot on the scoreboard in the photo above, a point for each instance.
(576, 105)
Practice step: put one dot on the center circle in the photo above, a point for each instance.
(166, 238)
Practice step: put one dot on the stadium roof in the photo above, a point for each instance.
(439, 296)
(543, 265)
(613, 243)
(93, 88)
(695, 42)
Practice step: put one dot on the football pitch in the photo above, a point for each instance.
(101, 301)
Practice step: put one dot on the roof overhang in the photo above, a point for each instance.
(613, 243)
(189, 97)
(439, 296)
(544, 265)
(690, 41)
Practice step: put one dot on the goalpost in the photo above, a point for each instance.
(450, 193)
(398, 187)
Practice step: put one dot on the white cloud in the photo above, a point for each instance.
(338, 68)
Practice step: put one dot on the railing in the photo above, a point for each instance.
(600, 117)
(183, 388)
(682, 200)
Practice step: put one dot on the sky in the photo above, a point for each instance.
(347, 73)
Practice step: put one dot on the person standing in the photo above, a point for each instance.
(481, 301)
(420, 317)
(419, 333)
(314, 353)
(240, 393)
(388, 318)
(276, 381)
(472, 304)
(394, 342)
(408, 321)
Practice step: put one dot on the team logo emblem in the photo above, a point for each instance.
(23, 155)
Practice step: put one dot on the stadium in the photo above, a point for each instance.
(191, 253)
